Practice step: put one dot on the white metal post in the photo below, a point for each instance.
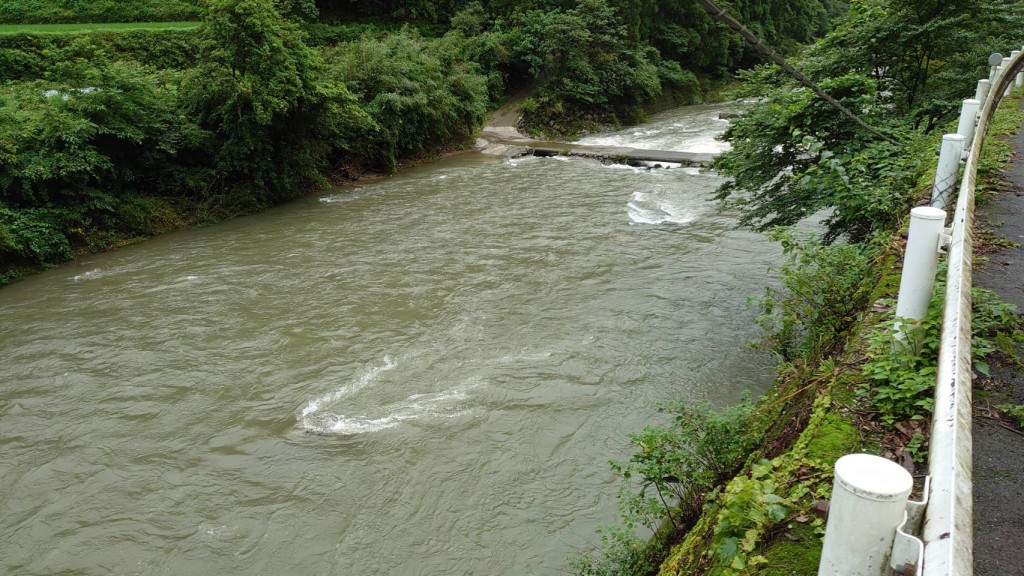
(1019, 81)
(869, 500)
(1003, 66)
(947, 170)
(919, 263)
(982, 91)
(968, 118)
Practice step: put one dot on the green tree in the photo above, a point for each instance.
(274, 120)
(924, 55)
(77, 152)
(422, 95)
(902, 65)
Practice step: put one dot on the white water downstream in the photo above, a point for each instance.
(424, 375)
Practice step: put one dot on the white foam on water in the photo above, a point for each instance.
(90, 275)
(513, 162)
(647, 208)
(691, 170)
(623, 167)
(364, 380)
(349, 196)
(658, 164)
(317, 418)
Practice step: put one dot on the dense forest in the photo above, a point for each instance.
(107, 136)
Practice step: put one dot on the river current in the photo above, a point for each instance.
(423, 375)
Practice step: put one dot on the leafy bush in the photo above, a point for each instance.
(683, 461)
(421, 96)
(823, 287)
(33, 55)
(903, 373)
(34, 235)
(621, 553)
(588, 68)
(925, 56)
(82, 141)
(78, 150)
(273, 117)
(676, 466)
(793, 156)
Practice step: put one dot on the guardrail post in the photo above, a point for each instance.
(982, 91)
(1019, 81)
(920, 261)
(869, 500)
(1003, 66)
(947, 170)
(968, 117)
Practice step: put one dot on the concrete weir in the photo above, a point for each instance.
(626, 155)
(505, 140)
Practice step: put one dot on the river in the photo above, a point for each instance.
(424, 375)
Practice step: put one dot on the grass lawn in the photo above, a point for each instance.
(58, 28)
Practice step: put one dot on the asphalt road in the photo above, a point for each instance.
(998, 452)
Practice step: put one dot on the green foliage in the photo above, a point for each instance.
(586, 64)
(37, 235)
(902, 374)
(621, 553)
(1013, 411)
(753, 504)
(85, 136)
(902, 65)
(79, 27)
(420, 94)
(76, 150)
(749, 506)
(54, 11)
(680, 463)
(823, 288)
(273, 119)
(792, 156)
(30, 56)
(676, 465)
(925, 55)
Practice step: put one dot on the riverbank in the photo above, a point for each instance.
(766, 519)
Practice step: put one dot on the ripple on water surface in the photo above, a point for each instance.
(440, 364)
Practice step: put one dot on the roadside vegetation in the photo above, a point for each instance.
(844, 385)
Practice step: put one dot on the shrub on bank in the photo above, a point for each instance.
(421, 97)
(35, 55)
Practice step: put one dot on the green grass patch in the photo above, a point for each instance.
(65, 28)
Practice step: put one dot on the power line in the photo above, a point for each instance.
(752, 39)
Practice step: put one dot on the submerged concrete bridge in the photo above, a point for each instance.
(505, 139)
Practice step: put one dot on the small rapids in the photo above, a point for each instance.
(424, 375)
(694, 131)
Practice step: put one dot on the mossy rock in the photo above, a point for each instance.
(796, 552)
(836, 436)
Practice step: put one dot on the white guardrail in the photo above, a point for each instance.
(872, 529)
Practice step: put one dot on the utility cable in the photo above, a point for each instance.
(758, 43)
